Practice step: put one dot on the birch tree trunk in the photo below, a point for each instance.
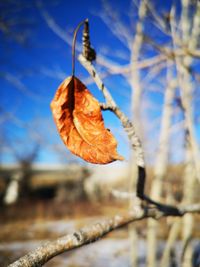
(172, 237)
(136, 108)
(173, 234)
(183, 65)
(190, 175)
(160, 167)
(188, 221)
(192, 170)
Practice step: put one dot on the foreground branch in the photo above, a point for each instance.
(129, 129)
(93, 232)
(128, 126)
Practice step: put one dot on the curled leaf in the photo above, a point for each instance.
(79, 121)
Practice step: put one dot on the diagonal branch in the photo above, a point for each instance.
(92, 233)
(118, 29)
(130, 130)
(52, 24)
(158, 20)
(128, 126)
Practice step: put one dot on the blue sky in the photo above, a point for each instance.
(26, 91)
(30, 77)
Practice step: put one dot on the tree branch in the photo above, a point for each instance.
(92, 233)
(128, 126)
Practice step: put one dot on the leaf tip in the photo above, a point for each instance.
(119, 157)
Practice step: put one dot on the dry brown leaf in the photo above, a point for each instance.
(78, 118)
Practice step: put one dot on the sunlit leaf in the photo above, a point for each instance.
(78, 118)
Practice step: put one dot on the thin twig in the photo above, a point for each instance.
(74, 45)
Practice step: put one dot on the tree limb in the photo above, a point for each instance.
(128, 126)
(92, 233)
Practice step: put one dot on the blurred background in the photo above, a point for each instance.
(148, 56)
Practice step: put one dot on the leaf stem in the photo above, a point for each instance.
(74, 44)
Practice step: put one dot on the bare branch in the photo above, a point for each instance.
(19, 85)
(171, 53)
(125, 70)
(119, 30)
(159, 21)
(61, 33)
(193, 44)
(111, 66)
(185, 22)
(128, 126)
(93, 232)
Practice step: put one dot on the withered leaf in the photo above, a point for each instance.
(79, 121)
